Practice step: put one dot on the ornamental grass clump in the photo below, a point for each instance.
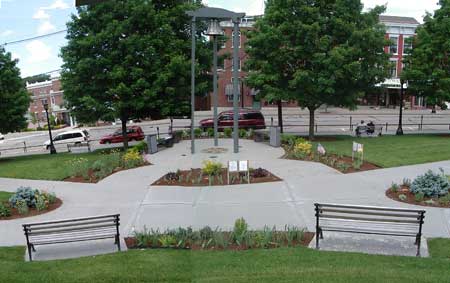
(431, 184)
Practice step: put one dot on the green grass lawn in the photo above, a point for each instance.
(40, 167)
(393, 151)
(4, 196)
(439, 248)
(278, 265)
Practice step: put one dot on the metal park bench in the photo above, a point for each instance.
(72, 230)
(369, 220)
(369, 131)
(82, 147)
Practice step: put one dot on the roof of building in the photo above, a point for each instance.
(399, 20)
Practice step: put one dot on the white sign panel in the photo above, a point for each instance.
(357, 147)
(233, 166)
(243, 165)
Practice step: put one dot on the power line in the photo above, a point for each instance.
(33, 38)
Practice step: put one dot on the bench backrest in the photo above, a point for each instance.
(76, 224)
(369, 214)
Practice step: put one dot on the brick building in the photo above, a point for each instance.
(398, 29)
(50, 92)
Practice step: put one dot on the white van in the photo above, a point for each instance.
(70, 137)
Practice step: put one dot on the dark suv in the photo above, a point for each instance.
(248, 119)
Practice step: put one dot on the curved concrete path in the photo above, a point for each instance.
(289, 202)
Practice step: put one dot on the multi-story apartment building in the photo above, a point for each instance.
(398, 29)
(48, 92)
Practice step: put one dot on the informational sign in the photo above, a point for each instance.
(232, 166)
(357, 147)
(240, 166)
(243, 166)
(321, 150)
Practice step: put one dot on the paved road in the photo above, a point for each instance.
(334, 121)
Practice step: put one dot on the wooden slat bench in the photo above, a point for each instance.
(72, 230)
(369, 220)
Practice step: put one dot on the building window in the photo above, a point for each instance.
(221, 63)
(44, 101)
(232, 40)
(53, 100)
(393, 71)
(393, 48)
(407, 44)
(239, 64)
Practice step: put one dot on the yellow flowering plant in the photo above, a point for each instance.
(302, 149)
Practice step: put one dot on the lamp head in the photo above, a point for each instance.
(214, 28)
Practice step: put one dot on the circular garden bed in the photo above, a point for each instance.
(430, 189)
(26, 202)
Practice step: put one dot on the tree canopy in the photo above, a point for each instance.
(37, 78)
(14, 99)
(427, 67)
(131, 59)
(317, 52)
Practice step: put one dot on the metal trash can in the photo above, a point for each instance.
(152, 142)
(275, 137)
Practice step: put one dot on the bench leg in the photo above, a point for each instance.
(29, 253)
(418, 240)
(118, 243)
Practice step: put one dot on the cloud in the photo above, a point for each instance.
(38, 51)
(58, 4)
(15, 56)
(45, 27)
(6, 33)
(41, 15)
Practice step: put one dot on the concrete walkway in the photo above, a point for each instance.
(289, 202)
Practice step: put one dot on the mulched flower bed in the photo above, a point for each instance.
(92, 178)
(132, 243)
(343, 164)
(33, 211)
(191, 178)
(411, 198)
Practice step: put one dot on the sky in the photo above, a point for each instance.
(20, 19)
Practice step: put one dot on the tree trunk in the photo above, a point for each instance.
(311, 123)
(280, 115)
(124, 134)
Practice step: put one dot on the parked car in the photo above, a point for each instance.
(70, 137)
(134, 133)
(248, 119)
(2, 137)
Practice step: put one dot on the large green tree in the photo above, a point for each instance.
(317, 52)
(427, 68)
(14, 99)
(131, 59)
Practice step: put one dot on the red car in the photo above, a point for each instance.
(248, 119)
(134, 133)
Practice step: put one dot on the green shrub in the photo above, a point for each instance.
(243, 133)
(41, 203)
(240, 231)
(431, 184)
(288, 140)
(167, 241)
(5, 211)
(132, 159)
(403, 197)
(445, 200)
(78, 167)
(228, 132)
(210, 132)
(211, 168)
(250, 133)
(141, 147)
(198, 133)
(419, 197)
(406, 182)
(22, 207)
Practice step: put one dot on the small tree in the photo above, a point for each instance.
(14, 99)
(131, 59)
(428, 66)
(317, 52)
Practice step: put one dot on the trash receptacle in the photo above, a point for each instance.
(152, 142)
(275, 137)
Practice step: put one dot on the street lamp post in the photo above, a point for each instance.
(400, 118)
(217, 14)
(52, 146)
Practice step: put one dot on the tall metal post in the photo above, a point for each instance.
(193, 31)
(215, 98)
(236, 84)
(400, 118)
